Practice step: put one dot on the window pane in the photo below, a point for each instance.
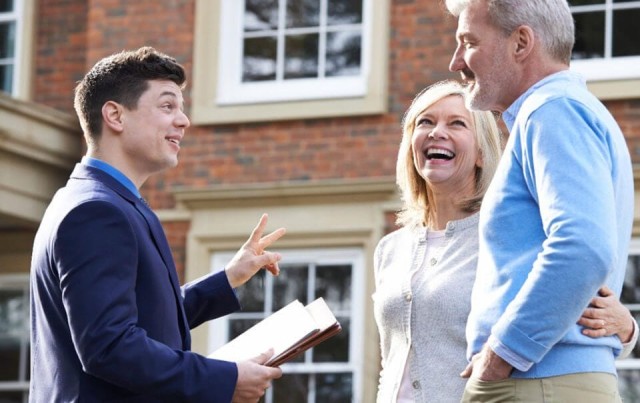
(333, 283)
(291, 388)
(259, 62)
(334, 388)
(631, 286)
(13, 322)
(13, 314)
(27, 369)
(6, 6)
(239, 326)
(291, 284)
(6, 78)
(584, 2)
(7, 39)
(303, 13)
(251, 294)
(301, 56)
(589, 35)
(11, 397)
(260, 15)
(10, 358)
(625, 34)
(631, 292)
(344, 12)
(336, 348)
(343, 53)
(629, 385)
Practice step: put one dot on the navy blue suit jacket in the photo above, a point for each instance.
(109, 321)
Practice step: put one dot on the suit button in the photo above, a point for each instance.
(408, 296)
(416, 384)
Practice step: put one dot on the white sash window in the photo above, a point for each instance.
(14, 338)
(607, 45)
(629, 368)
(329, 372)
(10, 28)
(257, 60)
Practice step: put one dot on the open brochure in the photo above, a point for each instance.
(290, 331)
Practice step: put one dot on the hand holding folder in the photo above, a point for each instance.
(290, 331)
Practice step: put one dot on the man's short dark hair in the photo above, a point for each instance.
(122, 77)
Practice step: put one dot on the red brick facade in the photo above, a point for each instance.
(73, 34)
(60, 51)
(177, 237)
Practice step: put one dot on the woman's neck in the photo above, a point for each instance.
(445, 209)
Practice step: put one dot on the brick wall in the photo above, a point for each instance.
(176, 232)
(74, 34)
(60, 51)
(627, 114)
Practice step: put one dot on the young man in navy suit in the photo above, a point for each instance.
(109, 319)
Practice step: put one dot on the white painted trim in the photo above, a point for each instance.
(14, 281)
(231, 91)
(619, 68)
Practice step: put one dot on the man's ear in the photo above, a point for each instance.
(524, 42)
(112, 115)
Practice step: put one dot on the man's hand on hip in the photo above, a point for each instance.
(487, 366)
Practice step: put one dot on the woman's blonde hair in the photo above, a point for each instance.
(416, 195)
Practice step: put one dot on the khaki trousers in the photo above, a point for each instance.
(592, 387)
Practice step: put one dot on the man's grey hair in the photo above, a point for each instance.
(551, 21)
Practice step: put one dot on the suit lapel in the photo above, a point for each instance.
(160, 240)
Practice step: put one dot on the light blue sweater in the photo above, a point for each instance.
(555, 225)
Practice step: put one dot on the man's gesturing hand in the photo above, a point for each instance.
(252, 255)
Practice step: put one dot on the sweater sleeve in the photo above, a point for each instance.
(627, 348)
(209, 297)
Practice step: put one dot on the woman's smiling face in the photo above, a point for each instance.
(445, 151)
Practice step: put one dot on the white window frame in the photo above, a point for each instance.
(208, 59)
(607, 68)
(320, 256)
(232, 90)
(18, 282)
(631, 363)
(17, 16)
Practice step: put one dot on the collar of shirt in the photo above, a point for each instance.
(112, 171)
(509, 115)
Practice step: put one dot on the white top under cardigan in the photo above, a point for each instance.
(436, 240)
